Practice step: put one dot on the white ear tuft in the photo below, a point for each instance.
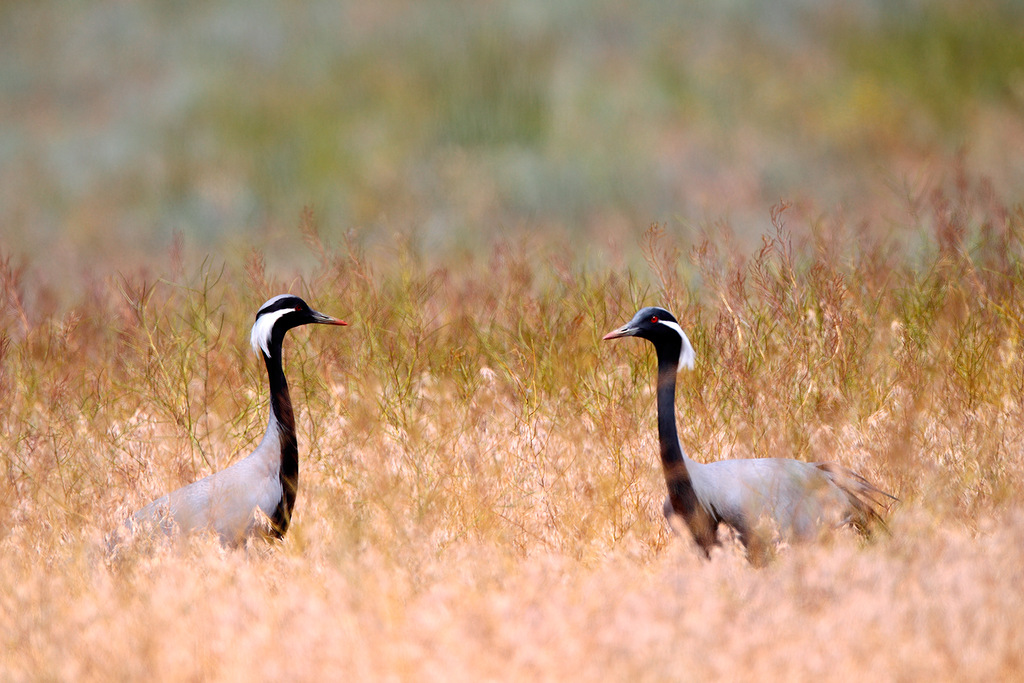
(687, 355)
(263, 329)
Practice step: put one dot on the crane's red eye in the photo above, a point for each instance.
(654, 318)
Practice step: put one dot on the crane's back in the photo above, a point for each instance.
(795, 499)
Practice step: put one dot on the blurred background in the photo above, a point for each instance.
(452, 124)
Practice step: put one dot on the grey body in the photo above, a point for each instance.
(262, 486)
(762, 499)
(225, 502)
(792, 498)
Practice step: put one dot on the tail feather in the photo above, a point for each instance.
(867, 501)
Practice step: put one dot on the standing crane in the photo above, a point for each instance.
(793, 498)
(231, 502)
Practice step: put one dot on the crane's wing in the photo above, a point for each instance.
(798, 498)
(223, 502)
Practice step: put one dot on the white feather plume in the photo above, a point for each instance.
(687, 355)
(263, 328)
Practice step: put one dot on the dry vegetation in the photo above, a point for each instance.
(479, 490)
(480, 493)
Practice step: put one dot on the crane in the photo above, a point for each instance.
(756, 497)
(231, 502)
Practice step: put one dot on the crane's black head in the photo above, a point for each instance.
(280, 314)
(662, 329)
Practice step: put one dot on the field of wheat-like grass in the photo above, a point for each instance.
(834, 194)
(479, 486)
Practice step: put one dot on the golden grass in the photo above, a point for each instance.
(479, 490)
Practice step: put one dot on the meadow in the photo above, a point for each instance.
(489, 193)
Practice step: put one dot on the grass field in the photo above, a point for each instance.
(491, 191)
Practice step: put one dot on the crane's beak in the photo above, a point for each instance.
(323, 319)
(624, 331)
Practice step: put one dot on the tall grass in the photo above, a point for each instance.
(479, 489)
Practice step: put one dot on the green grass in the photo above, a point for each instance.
(458, 124)
(941, 59)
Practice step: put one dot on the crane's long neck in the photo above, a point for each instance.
(282, 420)
(674, 461)
(671, 452)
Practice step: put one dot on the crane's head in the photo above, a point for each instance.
(280, 314)
(660, 328)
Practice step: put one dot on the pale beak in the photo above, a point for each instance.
(326, 319)
(624, 331)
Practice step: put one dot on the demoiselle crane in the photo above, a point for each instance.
(231, 501)
(759, 497)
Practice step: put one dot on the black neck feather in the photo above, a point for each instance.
(281, 405)
(673, 462)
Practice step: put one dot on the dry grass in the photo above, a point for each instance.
(479, 493)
